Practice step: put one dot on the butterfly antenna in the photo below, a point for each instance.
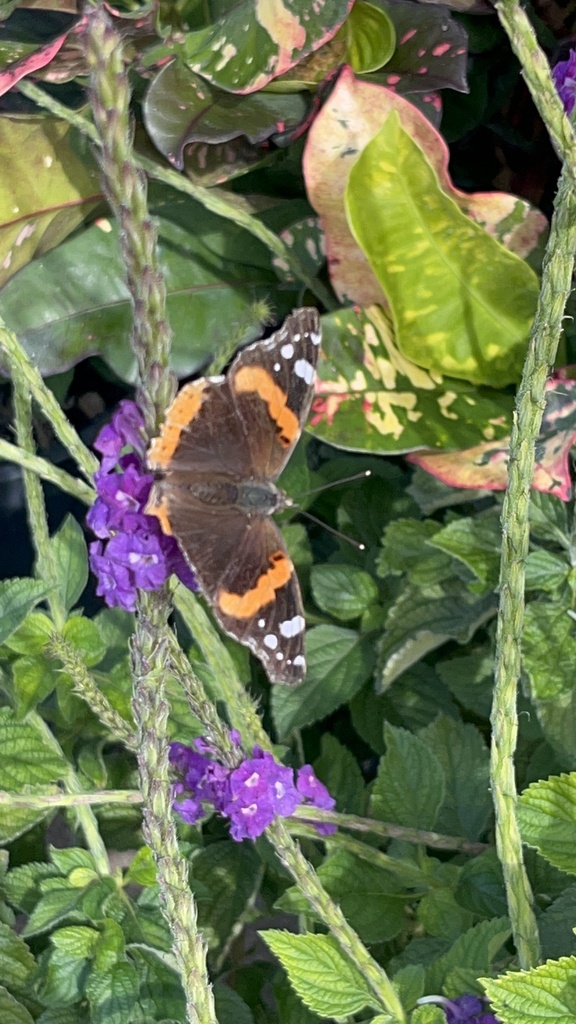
(336, 483)
(335, 533)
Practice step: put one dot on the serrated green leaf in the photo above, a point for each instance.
(66, 860)
(230, 873)
(22, 884)
(410, 785)
(440, 914)
(17, 598)
(34, 679)
(556, 926)
(465, 759)
(85, 636)
(338, 769)
(472, 326)
(142, 868)
(428, 1015)
(470, 677)
(52, 908)
(321, 975)
(473, 951)
(409, 982)
(545, 570)
(70, 555)
(77, 941)
(113, 995)
(544, 994)
(547, 819)
(405, 548)
(481, 886)
(17, 963)
(339, 662)
(12, 1011)
(26, 758)
(230, 1007)
(343, 591)
(548, 626)
(32, 635)
(64, 1015)
(62, 982)
(475, 541)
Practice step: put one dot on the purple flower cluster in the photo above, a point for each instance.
(468, 1010)
(132, 552)
(251, 795)
(564, 75)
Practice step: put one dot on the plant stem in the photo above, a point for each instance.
(330, 913)
(23, 371)
(47, 801)
(47, 471)
(530, 402)
(212, 199)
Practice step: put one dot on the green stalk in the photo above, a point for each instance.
(126, 189)
(47, 471)
(530, 402)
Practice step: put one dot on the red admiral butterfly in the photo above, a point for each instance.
(224, 442)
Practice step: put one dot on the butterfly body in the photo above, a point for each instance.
(225, 441)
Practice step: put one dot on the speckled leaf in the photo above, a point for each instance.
(485, 465)
(370, 37)
(256, 40)
(348, 121)
(461, 303)
(306, 241)
(369, 397)
(73, 302)
(431, 49)
(49, 184)
(181, 108)
(33, 60)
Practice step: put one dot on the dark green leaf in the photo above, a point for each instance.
(71, 558)
(548, 626)
(231, 873)
(17, 598)
(465, 758)
(475, 541)
(556, 926)
(410, 785)
(343, 591)
(12, 1011)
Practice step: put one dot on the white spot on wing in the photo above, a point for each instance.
(292, 627)
(271, 641)
(261, 623)
(299, 660)
(315, 337)
(287, 351)
(277, 367)
(279, 656)
(296, 336)
(304, 369)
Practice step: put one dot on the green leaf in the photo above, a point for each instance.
(49, 184)
(556, 926)
(409, 982)
(230, 873)
(471, 325)
(410, 785)
(34, 679)
(481, 886)
(321, 975)
(113, 995)
(547, 819)
(339, 662)
(85, 636)
(370, 38)
(428, 1015)
(338, 769)
(475, 541)
(71, 558)
(406, 548)
(475, 950)
(230, 1007)
(17, 598)
(12, 1011)
(558, 721)
(181, 109)
(77, 941)
(58, 905)
(248, 46)
(26, 757)
(465, 760)
(74, 302)
(343, 591)
(17, 963)
(440, 914)
(142, 869)
(545, 570)
(544, 994)
(370, 397)
(31, 637)
(548, 626)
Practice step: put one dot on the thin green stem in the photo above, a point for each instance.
(47, 471)
(23, 371)
(530, 402)
(212, 199)
(330, 913)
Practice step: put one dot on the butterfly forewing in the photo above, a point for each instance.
(224, 442)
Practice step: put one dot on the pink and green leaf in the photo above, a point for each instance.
(485, 465)
(431, 49)
(257, 40)
(370, 397)
(462, 304)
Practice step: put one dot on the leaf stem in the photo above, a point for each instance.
(47, 471)
(46, 801)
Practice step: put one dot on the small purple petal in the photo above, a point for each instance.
(564, 75)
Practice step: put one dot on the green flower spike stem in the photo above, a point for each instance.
(126, 189)
(530, 402)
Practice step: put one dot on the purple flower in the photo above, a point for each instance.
(468, 1010)
(132, 552)
(316, 794)
(250, 795)
(564, 75)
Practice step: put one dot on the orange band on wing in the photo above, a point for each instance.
(254, 379)
(244, 606)
(160, 510)
(184, 408)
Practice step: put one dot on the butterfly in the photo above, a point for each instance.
(224, 442)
